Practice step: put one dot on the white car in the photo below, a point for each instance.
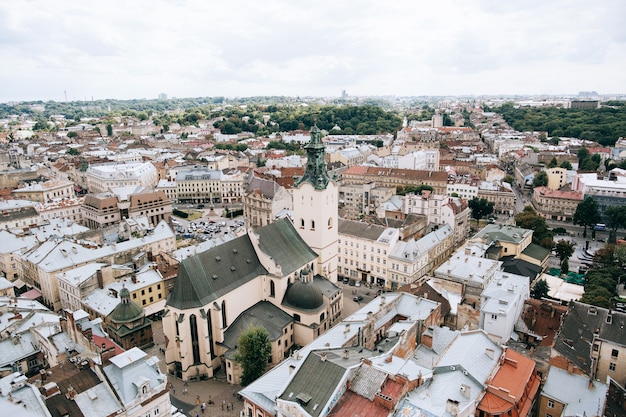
(357, 284)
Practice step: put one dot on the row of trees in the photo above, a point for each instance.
(604, 125)
(340, 120)
(588, 214)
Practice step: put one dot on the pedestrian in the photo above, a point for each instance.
(202, 407)
(185, 391)
(223, 404)
(197, 400)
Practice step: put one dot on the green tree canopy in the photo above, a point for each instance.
(553, 163)
(587, 214)
(564, 249)
(480, 207)
(529, 219)
(615, 218)
(253, 353)
(566, 164)
(540, 289)
(541, 179)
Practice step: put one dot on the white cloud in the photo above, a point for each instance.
(135, 49)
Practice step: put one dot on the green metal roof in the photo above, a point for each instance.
(262, 314)
(211, 274)
(281, 241)
(536, 252)
(314, 383)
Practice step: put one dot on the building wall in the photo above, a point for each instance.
(316, 220)
(610, 359)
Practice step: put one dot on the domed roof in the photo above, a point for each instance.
(304, 295)
(126, 311)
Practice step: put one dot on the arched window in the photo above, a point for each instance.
(195, 348)
(330, 222)
(224, 322)
(312, 224)
(302, 223)
(272, 289)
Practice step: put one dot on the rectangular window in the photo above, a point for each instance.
(614, 353)
(550, 404)
(612, 366)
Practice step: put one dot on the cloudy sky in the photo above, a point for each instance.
(187, 48)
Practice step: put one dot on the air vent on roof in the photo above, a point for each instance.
(232, 268)
(235, 250)
(217, 258)
(214, 276)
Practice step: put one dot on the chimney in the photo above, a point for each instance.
(452, 407)
(100, 279)
(323, 356)
(466, 390)
(570, 368)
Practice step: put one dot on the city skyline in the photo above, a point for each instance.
(63, 50)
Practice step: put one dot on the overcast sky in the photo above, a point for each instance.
(140, 48)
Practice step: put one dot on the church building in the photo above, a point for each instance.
(281, 276)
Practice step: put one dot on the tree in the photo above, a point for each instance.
(109, 130)
(509, 179)
(540, 289)
(582, 154)
(72, 134)
(564, 250)
(587, 214)
(73, 151)
(480, 207)
(566, 164)
(553, 163)
(529, 219)
(541, 179)
(564, 267)
(253, 353)
(615, 218)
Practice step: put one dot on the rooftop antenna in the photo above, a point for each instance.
(65, 91)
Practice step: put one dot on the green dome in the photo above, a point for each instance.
(304, 295)
(127, 311)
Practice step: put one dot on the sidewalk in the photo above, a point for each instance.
(216, 390)
(223, 395)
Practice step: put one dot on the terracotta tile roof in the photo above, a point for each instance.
(567, 195)
(506, 388)
(356, 170)
(543, 319)
(352, 404)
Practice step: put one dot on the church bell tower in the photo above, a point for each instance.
(315, 206)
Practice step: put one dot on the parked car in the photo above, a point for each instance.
(358, 298)
(357, 284)
(352, 283)
(346, 280)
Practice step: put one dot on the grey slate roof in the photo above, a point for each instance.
(580, 322)
(281, 241)
(360, 229)
(262, 314)
(316, 380)
(211, 274)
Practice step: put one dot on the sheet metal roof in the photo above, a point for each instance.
(283, 243)
(211, 274)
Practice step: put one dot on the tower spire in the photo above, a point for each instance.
(315, 172)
